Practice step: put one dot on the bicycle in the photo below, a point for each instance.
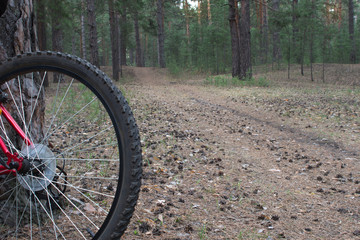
(75, 173)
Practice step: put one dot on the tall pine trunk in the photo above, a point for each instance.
(56, 30)
(187, 20)
(56, 33)
(19, 36)
(123, 35)
(115, 41)
(209, 12)
(41, 24)
(82, 36)
(265, 33)
(312, 42)
(41, 29)
(161, 33)
(94, 48)
(351, 32)
(235, 37)
(295, 30)
(302, 53)
(245, 41)
(138, 54)
(276, 37)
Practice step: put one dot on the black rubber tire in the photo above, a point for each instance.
(122, 119)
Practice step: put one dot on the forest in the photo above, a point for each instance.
(203, 36)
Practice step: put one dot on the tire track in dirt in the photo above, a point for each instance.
(297, 134)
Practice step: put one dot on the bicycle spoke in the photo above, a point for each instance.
(62, 100)
(81, 212)
(79, 190)
(44, 209)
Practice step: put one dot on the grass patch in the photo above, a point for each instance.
(227, 80)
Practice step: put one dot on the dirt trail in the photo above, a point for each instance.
(217, 166)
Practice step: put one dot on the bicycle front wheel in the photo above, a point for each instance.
(85, 157)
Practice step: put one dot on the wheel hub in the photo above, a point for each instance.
(42, 167)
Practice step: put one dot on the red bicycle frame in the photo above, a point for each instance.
(12, 157)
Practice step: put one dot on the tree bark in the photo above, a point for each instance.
(263, 25)
(56, 33)
(161, 33)
(138, 54)
(276, 36)
(41, 30)
(19, 36)
(94, 48)
(123, 35)
(245, 41)
(295, 33)
(209, 12)
(187, 20)
(41, 24)
(351, 32)
(302, 54)
(312, 42)
(115, 41)
(82, 37)
(199, 12)
(235, 37)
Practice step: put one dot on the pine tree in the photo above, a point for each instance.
(245, 41)
(115, 40)
(160, 33)
(93, 35)
(235, 37)
(351, 32)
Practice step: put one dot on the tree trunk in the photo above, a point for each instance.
(82, 40)
(265, 33)
(187, 20)
(94, 49)
(351, 32)
(295, 30)
(138, 54)
(161, 33)
(115, 41)
(302, 54)
(19, 36)
(209, 12)
(276, 36)
(131, 56)
(289, 54)
(235, 37)
(312, 41)
(123, 35)
(41, 29)
(56, 33)
(245, 41)
(41, 24)
(199, 12)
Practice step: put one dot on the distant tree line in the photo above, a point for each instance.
(215, 36)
